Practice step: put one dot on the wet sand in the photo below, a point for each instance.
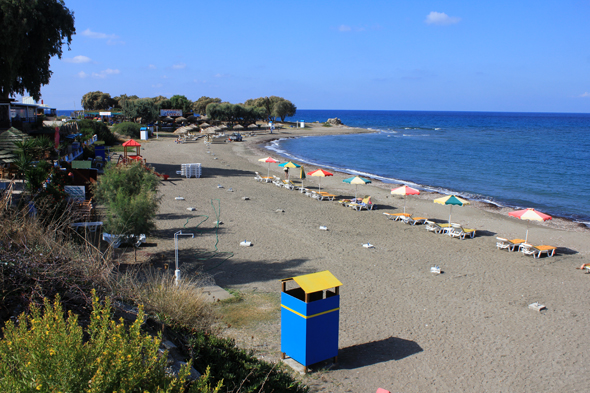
(401, 327)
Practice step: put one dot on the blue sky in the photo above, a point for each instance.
(518, 56)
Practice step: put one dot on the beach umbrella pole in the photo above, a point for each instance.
(405, 197)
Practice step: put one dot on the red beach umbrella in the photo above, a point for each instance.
(270, 160)
(531, 215)
(405, 190)
(320, 173)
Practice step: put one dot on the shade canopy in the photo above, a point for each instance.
(356, 180)
(268, 159)
(405, 190)
(451, 200)
(320, 173)
(131, 143)
(289, 164)
(529, 215)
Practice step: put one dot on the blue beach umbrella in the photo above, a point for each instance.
(356, 180)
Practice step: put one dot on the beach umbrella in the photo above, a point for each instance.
(180, 119)
(451, 200)
(270, 160)
(530, 215)
(238, 127)
(320, 173)
(288, 165)
(205, 125)
(356, 180)
(405, 190)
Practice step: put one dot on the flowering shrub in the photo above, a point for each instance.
(48, 353)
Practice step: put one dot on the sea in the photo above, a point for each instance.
(518, 160)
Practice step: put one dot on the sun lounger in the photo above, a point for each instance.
(366, 203)
(461, 232)
(506, 244)
(432, 226)
(413, 220)
(325, 195)
(288, 185)
(397, 216)
(536, 251)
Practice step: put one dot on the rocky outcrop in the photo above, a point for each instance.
(335, 121)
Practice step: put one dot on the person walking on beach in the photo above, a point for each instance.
(286, 173)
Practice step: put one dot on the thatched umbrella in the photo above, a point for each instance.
(203, 118)
(211, 130)
(239, 127)
(192, 119)
(180, 119)
(205, 125)
(168, 119)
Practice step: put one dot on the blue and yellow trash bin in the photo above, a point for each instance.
(310, 312)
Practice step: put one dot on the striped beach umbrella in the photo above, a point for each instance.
(451, 200)
(270, 160)
(405, 190)
(529, 215)
(356, 180)
(319, 173)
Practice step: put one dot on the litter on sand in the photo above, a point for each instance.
(217, 223)
(219, 186)
(245, 198)
(368, 245)
(179, 198)
(279, 211)
(323, 228)
(191, 209)
(245, 243)
(230, 190)
(435, 270)
(537, 306)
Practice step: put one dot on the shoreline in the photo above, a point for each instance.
(401, 327)
(557, 221)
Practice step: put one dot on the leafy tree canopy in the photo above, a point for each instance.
(143, 108)
(97, 100)
(235, 113)
(118, 100)
(181, 102)
(274, 106)
(31, 33)
(200, 106)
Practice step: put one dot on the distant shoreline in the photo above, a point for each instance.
(316, 129)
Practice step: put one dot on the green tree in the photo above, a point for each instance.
(159, 99)
(119, 100)
(235, 113)
(200, 106)
(31, 32)
(284, 108)
(130, 195)
(143, 108)
(181, 102)
(97, 100)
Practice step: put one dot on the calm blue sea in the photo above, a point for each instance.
(520, 160)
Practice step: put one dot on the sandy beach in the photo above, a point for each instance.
(401, 327)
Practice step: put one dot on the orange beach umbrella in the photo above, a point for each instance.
(320, 173)
(531, 215)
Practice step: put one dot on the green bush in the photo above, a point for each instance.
(232, 366)
(100, 129)
(48, 353)
(127, 128)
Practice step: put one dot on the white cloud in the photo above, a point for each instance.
(104, 73)
(441, 19)
(344, 28)
(78, 59)
(586, 94)
(152, 67)
(82, 74)
(101, 36)
(178, 66)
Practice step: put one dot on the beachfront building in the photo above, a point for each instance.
(27, 111)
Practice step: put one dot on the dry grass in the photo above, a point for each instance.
(184, 303)
(249, 309)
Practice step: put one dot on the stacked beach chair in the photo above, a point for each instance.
(190, 170)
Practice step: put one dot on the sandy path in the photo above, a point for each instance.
(401, 328)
